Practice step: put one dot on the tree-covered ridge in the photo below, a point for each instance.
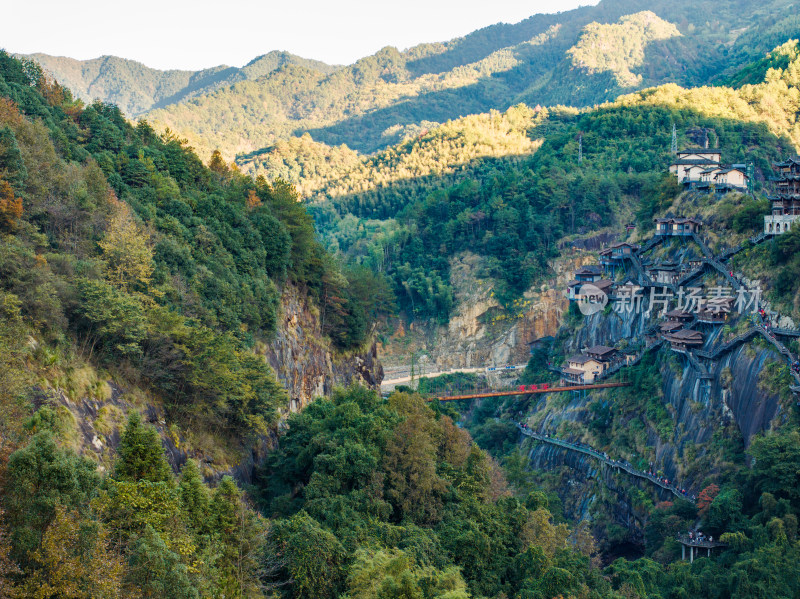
(389, 498)
(434, 156)
(136, 88)
(364, 104)
(619, 47)
(773, 101)
(120, 249)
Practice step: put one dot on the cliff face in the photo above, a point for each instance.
(698, 408)
(479, 333)
(302, 359)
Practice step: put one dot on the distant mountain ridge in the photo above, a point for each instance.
(137, 88)
(579, 58)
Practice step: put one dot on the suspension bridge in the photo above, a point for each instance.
(457, 394)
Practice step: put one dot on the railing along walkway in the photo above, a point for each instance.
(605, 459)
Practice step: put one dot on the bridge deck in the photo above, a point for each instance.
(527, 391)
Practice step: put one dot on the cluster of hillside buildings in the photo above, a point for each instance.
(700, 168)
(785, 197)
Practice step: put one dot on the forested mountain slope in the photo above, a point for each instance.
(579, 58)
(121, 252)
(136, 88)
(410, 210)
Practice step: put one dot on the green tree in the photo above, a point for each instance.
(314, 558)
(140, 453)
(40, 479)
(155, 571)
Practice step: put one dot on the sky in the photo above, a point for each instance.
(194, 34)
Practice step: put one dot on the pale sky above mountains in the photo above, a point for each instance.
(194, 34)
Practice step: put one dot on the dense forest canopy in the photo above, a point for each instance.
(121, 246)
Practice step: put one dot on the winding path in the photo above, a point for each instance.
(602, 457)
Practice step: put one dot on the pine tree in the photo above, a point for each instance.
(141, 456)
(156, 572)
(126, 250)
(194, 495)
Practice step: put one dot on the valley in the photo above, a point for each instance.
(514, 315)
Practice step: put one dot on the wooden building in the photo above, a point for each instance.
(588, 274)
(602, 286)
(615, 253)
(675, 226)
(665, 272)
(785, 197)
(716, 311)
(684, 339)
(678, 316)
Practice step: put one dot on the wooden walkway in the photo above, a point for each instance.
(624, 466)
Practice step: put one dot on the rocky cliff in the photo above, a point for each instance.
(480, 332)
(704, 413)
(302, 358)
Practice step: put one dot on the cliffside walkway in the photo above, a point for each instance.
(619, 465)
(746, 336)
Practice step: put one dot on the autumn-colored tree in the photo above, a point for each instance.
(75, 561)
(706, 497)
(10, 208)
(539, 531)
(217, 163)
(252, 201)
(126, 250)
(413, 485)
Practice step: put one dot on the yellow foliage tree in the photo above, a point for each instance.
(10, 208)
(75, 562)
(252, 201)
(541, 532)
(126, 250)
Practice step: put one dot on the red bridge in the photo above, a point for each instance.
(524, 390)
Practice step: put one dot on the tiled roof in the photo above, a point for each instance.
(600, 350)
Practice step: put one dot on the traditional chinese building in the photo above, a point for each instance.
(700, 168)
(602, 353)
(588, 274)
(715, 311)
(614, 254)
(680, 227)
(678, 316)
(785, 197)
(684, 339)
(601, 286)
(590, 365)
(665, 272)
(582, 368)
(687, 162)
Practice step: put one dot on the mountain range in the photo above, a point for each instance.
(579, 58)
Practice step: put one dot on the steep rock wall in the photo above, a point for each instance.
(698, 408)
(302, 359)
